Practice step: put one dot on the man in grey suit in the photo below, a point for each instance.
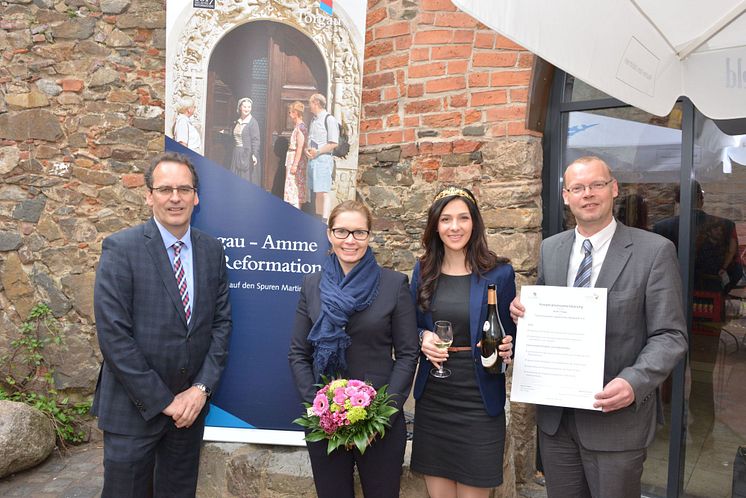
(601, 453)
(163, 320)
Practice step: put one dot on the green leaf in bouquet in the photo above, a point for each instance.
(361, 441)
(388, 411)
(314, 436)
(303, 422)
(333, 444)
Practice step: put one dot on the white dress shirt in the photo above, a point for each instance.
(600, 241)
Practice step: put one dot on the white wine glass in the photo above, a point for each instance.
(444, 332)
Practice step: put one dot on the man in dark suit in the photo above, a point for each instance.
(601, 453)
(163, 320)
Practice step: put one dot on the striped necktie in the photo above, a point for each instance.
(181, 279)
(583, 277)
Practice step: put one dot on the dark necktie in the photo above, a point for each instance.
(181, 279)
(583, 277)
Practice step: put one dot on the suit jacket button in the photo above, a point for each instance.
(183, 371)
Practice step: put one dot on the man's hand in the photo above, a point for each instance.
(616, 395)
(186, 406)
(516, 309)
(175, 409)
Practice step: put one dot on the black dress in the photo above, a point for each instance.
(454, 437)
(246, 147)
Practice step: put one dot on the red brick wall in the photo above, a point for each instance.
(436, 81)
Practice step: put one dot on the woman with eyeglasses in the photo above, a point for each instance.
(245, 162)
(351, 317)
(459, 426)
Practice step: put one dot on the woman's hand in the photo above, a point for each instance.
(506, 349)
(294, 169)
(434, 355)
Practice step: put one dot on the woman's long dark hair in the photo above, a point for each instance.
(479, 258)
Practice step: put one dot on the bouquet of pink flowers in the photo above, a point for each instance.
(348, 413)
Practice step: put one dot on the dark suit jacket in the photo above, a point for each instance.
(386, 326)
(645, 332)
(491, 386)
(712, 236)
(150, 354)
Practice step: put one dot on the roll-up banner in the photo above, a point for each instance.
(239, 75)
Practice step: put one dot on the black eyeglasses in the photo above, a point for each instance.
(343, 233)
(595, 186)
(182, 190)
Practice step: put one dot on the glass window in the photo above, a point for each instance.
(717, 370)
(644, 153)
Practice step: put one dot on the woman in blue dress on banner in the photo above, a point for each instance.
(356, 320)
(459, 428)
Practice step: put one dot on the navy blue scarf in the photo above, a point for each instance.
(341, 296)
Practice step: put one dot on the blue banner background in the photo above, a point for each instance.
(256, 390)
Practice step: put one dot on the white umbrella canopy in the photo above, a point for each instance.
(647, 53)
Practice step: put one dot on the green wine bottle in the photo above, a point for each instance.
(492, 335)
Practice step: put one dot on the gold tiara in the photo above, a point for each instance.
(447, 192)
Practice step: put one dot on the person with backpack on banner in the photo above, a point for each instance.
(323, 137)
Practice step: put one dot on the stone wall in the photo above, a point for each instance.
(444, 102)
(81, 110)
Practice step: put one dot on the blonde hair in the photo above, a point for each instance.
(297, 107)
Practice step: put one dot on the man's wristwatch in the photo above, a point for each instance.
(205, 390)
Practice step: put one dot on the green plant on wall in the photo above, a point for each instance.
(28, 377)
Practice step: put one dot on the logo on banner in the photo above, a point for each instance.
(203, 4)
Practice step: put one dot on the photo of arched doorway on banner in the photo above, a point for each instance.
(238, 81)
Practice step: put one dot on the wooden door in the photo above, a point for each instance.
(274, 65)
(220, 111)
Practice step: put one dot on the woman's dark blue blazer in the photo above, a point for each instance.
(491, 386)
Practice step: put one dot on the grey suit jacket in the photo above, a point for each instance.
(645, 331)
(150, 354)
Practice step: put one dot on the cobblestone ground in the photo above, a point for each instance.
(77, 474)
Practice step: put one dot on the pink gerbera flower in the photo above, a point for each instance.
(340, 396)
(360, 399)
(320, 404)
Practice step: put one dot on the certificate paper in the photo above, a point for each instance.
(559, 348)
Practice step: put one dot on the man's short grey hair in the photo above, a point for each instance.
(319, 99)
(184, 104)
